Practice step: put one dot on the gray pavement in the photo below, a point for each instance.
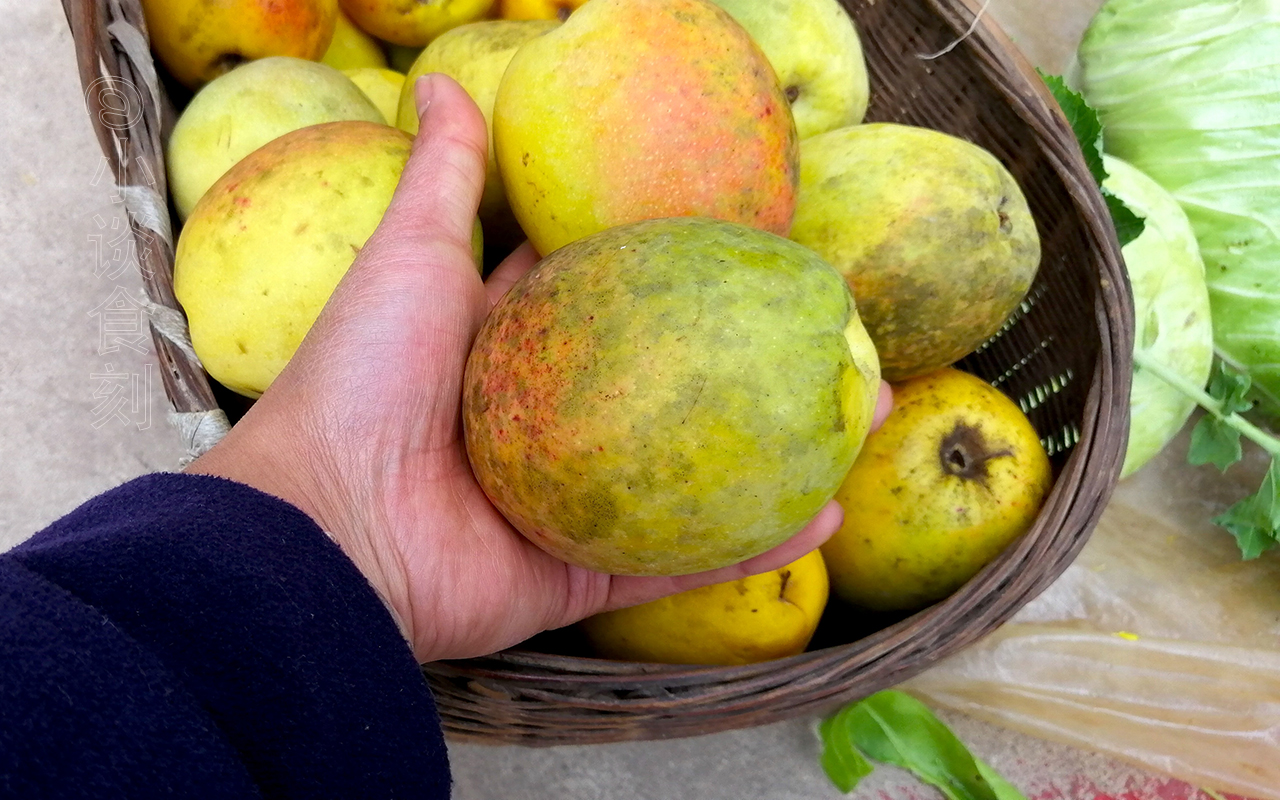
(80, 414)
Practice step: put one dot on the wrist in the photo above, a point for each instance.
(298, 475)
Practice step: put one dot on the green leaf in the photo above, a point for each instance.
(897, 729)
(1128, 225)
(1087, 127)
(1084, 123)
(1255, 520)
(842, 762)
(1003, 789)
(1230, 387)
(1214, 440)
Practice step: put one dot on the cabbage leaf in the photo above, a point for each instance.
(1189, 93)
(1171, 302)
(1170, 312)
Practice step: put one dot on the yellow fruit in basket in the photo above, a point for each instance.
(538, 9)
(248, 107)
(264, 249)
(814, 47)
(198, 40)
(953, 476)
(642, 109)
(352, 48)
(413, 23)
(932, 233)
(381, 86)
(476, 55)
(668, 396)
(762, 617)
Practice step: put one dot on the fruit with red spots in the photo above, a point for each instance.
(669, 396)
(198, 40)
(641, 109)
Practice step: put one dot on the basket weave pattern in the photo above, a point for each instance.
(1066, 356)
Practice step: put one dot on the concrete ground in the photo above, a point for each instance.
(80, 413)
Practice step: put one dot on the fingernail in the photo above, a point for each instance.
(423, 90)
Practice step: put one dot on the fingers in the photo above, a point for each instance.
(884, 404)
(441, 185)
(512, 268)
(629, 591)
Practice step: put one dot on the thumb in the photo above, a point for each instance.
(439, 192)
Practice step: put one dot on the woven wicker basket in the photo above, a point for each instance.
(1066, 356)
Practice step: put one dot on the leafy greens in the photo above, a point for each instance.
(1255, 520)
(1171, 301)
(894, 728)
(1088, 130)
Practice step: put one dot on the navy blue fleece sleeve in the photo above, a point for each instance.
(187, 636)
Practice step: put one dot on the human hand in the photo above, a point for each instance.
(362, 430)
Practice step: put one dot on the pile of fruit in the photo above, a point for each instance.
(677, 385)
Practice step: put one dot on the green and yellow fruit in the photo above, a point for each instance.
(246, 108)
(381, 86)
(814, 47)
(669, 396)
(476, 56)
(352, 48)
(641, 109)
(931, 232)
(264, 249)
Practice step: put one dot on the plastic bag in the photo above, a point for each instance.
(1158, 646)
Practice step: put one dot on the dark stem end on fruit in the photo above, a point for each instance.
(965, 453)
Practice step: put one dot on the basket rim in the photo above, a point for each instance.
(1070, 512)
(1097, 455)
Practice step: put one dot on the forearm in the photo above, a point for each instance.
(239, 606)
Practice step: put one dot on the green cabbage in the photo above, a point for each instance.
(1170, 310)
(1189, 93)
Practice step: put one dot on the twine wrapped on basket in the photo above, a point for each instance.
(1066, 356)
